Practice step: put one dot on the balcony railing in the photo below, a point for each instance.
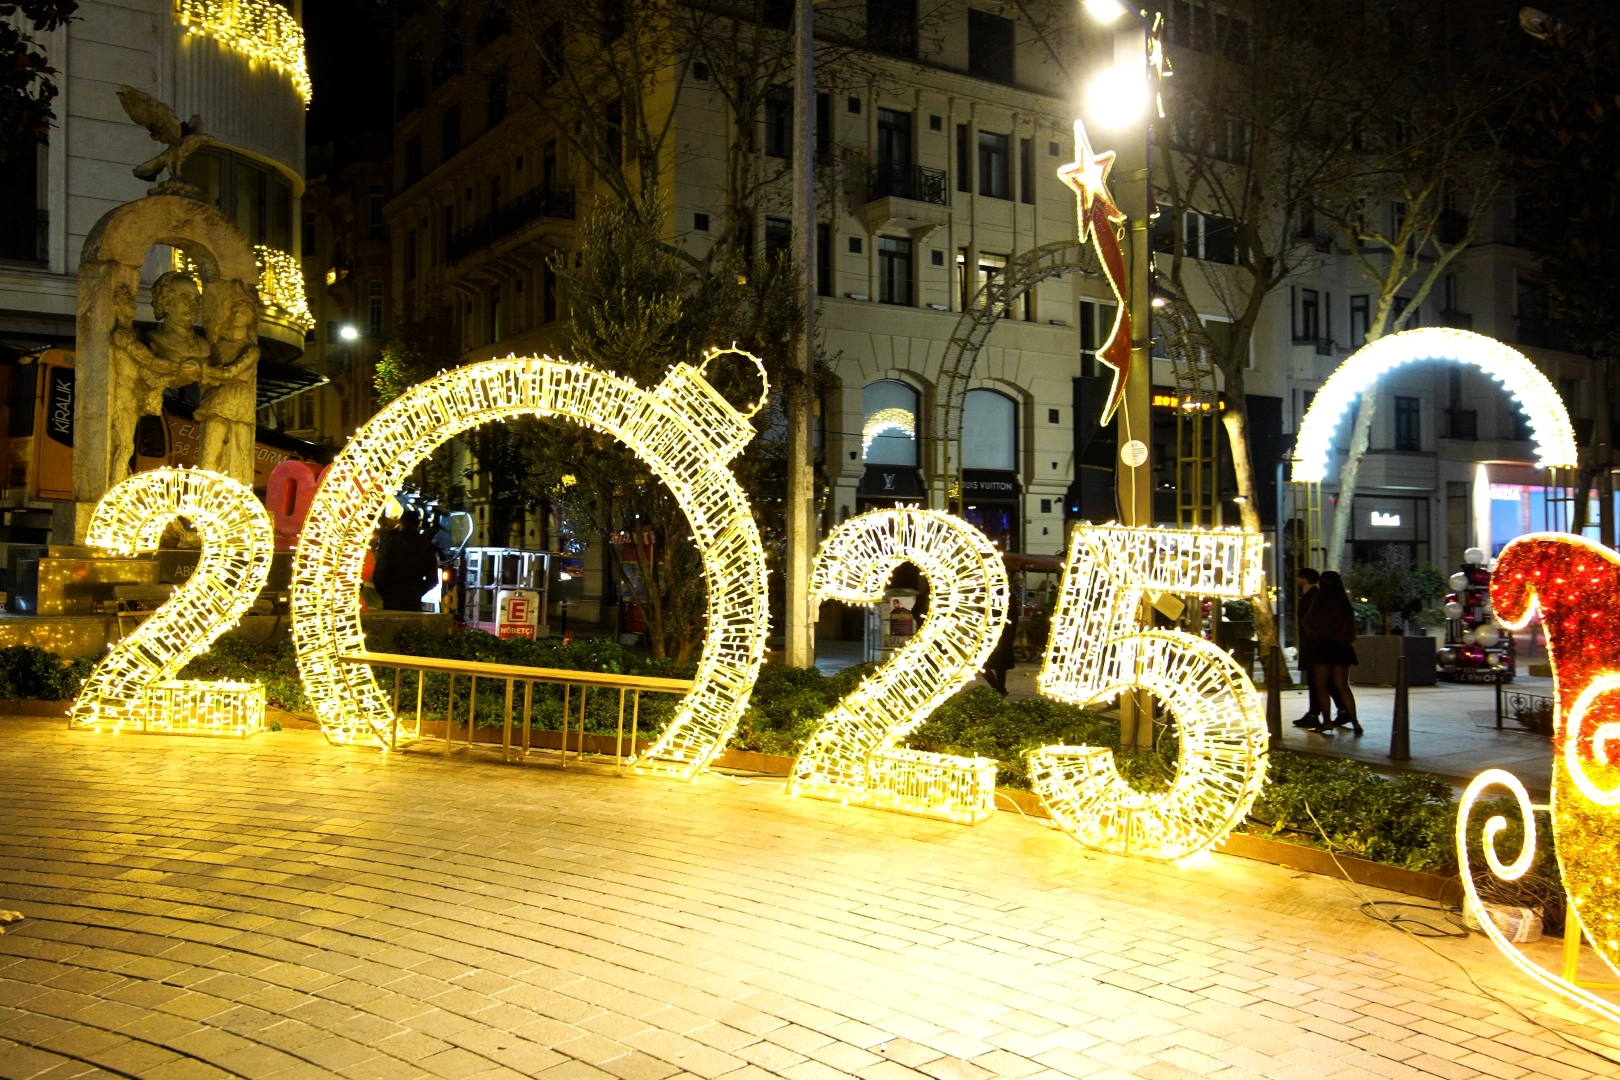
(552, 201)
(1462, 424)
(259, 29)
(1323, 346)
(891, 179)
(1540, 331)
(24, 236)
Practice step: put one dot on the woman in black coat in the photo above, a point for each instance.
(1330, 625)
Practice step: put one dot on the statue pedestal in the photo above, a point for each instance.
(70, 522)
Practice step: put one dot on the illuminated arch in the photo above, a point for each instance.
(1550, 428)
(682, 428)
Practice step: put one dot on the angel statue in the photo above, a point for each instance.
(181, 139)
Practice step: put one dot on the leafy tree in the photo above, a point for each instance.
(26, 86)
(1435, 99)
(1567, 146)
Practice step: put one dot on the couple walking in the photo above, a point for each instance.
(1327, 632)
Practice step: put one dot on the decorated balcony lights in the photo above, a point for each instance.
(262, 30)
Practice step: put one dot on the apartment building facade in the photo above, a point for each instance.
(943, 150)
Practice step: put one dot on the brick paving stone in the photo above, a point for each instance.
(285, 909)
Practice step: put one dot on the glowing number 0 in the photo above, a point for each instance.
(854, 755)
(134, 685)
(684, 430)
(1096, 650)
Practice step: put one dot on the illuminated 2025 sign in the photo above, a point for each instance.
(688, 433)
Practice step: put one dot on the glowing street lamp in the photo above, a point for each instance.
(1117, 97)
(348, 333)
(1104, 11)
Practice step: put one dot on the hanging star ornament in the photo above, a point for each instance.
(1099, 216)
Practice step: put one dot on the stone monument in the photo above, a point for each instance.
(121, 373)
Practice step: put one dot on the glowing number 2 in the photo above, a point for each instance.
(1096, 649)
(854, 755)
(134, 685)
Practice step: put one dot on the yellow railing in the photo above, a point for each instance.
(281, 285)
(260, 29)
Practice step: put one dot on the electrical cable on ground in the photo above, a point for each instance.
(1398, 922)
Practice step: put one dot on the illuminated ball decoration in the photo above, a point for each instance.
(885, 420)
(1097, 649)
(1574, 584)
(855, 755)
(134, 687)
(683, 429)
(1550, 429)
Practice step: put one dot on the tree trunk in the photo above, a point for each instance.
(1349, 474)
(1236, 421)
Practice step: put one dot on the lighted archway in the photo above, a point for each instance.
(1550, 428)
(682, 428)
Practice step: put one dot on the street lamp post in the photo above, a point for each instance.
(1116, 97)
(799, 646)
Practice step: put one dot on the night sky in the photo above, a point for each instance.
(349, 61)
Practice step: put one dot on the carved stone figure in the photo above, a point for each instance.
(230, 383)
(143, 366)
(181, 139)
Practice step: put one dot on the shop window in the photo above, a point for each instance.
(889, 426)
(989, 431)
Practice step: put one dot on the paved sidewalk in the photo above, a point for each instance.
(282, 908)
(1452, 730)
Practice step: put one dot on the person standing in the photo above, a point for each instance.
(1306, 582)
(1331, 627)
(1001, 658)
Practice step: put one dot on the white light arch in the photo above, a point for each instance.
(1550, 428)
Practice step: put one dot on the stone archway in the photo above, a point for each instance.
(106, 374)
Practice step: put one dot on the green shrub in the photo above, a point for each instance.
(240, 660)
(29, 673)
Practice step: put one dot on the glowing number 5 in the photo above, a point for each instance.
(1096, 650)
(134, 685)
(854, 755)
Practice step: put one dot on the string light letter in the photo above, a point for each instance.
(854, 756)
(1096, 649)
(134, 688)
(682, 428)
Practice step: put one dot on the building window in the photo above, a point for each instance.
(964, 160)
(777, 14)
(778, 239)
(894, 270)
(894, 137)
(548, 163)
(1408, 424)
(989, 431)
(410, 254)
(889, 427)
(613, 131)
(824, 257)
(1026, 171)
(413, 159)
(1360, 320)
(994, 180)
(309, 234)
(700, 222)
(1308, 323)
(495, 313)
(891, 27)
(824, 126)
(450, 131)
(449, 228)
(990, 46)
(374, 213)
(374, 307)
(613, 21)
(551, 54)
(990, 267)
(779, 121)
(497, 99)
(548, 294)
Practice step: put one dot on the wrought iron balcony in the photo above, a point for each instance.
(554, 201)
(891, 179)
(23, 236)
